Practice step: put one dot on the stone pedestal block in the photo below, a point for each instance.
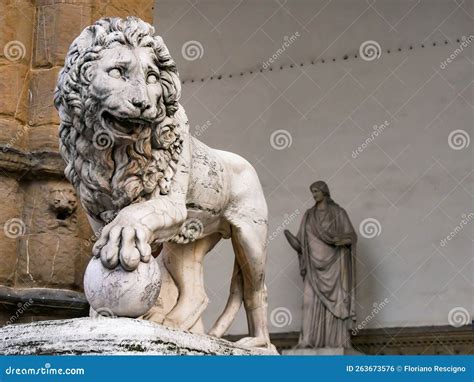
(34, 304)
(104, 335)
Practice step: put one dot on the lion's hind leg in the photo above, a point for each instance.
(185, 264)
(249, 243)
(234, 302)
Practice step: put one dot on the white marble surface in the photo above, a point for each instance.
(111, 336)
(116, 292)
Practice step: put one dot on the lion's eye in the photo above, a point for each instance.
(152, 78)
(115, 73)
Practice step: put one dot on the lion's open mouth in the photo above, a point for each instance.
(122, 125)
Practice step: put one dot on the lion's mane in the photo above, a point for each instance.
(109, 176)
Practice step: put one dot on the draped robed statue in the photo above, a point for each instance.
(326, 246)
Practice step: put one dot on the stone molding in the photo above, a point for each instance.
(420, 340)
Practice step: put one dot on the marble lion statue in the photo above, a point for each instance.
(149, 187)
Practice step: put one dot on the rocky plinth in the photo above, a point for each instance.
(104, 335)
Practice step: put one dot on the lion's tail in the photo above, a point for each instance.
(233, 303)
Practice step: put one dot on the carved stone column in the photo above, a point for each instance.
(46, 240)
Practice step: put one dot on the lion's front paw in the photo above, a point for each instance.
(127, 244)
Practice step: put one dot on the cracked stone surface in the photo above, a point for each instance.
(111, 336)
(119, 292)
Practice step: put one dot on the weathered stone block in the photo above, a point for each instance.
(55, 252)
(13, 135)
(44, 261)
(23, 305)
(57, 24)
(103, 335)
(13, 228)
(12, 84)
(17, 28)
(123, 8)
(41, 108)
(44, 138)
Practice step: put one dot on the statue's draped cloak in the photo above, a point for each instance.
(329, 305)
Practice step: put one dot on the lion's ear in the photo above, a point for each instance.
(85, 39)
(90, 35)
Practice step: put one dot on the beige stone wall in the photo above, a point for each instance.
(40, 245)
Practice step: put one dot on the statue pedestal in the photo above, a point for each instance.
(322, 351)
(104, 335)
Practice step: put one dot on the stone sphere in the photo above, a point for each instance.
(117, 292)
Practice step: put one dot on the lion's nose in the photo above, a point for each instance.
(140, 103)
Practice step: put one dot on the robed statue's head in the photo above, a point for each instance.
(320, 191)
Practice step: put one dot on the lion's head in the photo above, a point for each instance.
(121, 127)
